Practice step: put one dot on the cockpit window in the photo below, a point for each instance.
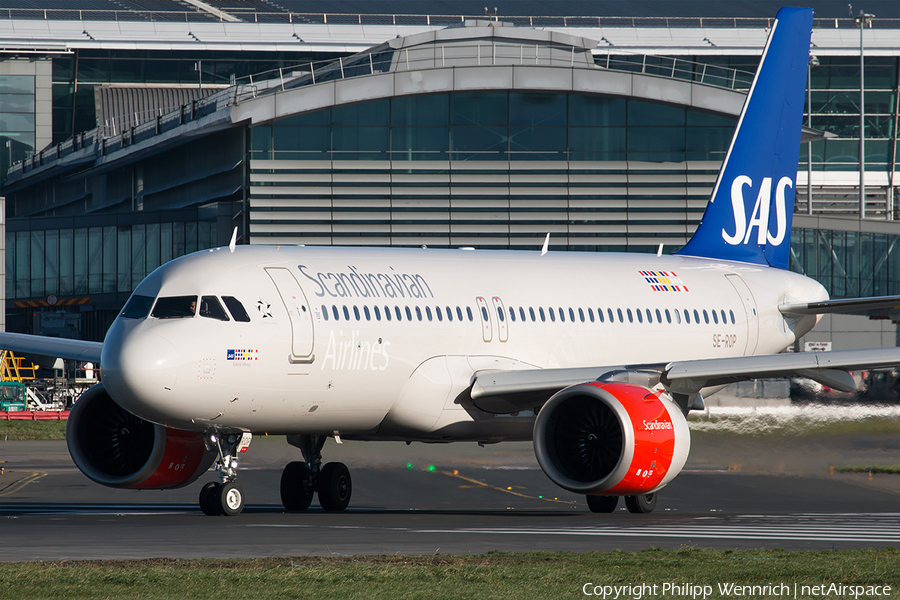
(237, 309)
(137, 307)
(212, 309)
(174, 307)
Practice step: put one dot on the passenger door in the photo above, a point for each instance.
(302, 335)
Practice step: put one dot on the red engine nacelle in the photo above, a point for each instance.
(611, 439)
(117, 449)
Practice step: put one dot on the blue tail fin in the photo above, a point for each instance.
(749, 215)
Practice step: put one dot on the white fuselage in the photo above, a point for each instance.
(297, 368)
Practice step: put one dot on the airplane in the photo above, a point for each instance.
(594, 357)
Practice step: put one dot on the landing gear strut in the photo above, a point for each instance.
(300, 480)
(224, 497)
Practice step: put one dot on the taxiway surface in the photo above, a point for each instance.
(423, 500)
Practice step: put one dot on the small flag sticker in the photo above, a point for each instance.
(663, 281)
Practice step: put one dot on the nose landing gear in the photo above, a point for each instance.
(225, 497)
(300, 480)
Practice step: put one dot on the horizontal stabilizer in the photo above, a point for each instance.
(21, 343)
(844, 305)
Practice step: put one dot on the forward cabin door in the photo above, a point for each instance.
(749, 311)
(298, 311)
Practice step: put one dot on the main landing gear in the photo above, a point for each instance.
(224, 497)
(300, 480)
(643, 503)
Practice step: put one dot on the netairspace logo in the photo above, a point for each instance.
(733, 590)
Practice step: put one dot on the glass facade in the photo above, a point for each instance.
(850, 264)
(96, 260)
(75, 75)
(835, 107)
(492, 126)
(17, 120)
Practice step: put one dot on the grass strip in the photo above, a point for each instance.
(892, 469)
(493, 575)
(32, 430)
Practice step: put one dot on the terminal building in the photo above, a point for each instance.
(135, 136)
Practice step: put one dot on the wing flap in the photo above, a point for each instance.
(53, 347)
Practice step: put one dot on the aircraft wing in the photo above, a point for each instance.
(38, 345)
(844, 305)
(509, 391)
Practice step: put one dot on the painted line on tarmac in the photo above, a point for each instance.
(17, 485)
(862, 528)
(506, 490)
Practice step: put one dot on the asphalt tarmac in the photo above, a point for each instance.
(453, 499)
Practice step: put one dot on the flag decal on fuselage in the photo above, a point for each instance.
(663, 281)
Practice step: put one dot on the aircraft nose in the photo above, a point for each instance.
(139, 371)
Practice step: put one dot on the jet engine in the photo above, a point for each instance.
(118, 449)
(611, 439)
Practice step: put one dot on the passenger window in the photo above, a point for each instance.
(630, 317)
(658, 316)
(531, 314)
(668, 316)
(427, 312)
(211, 308)
(705, 316)
(398, 313)
(541, 312)
(500, 314)
(522, 314)
(687, 316)
(640, 317)
(387, 313)
(334, 312)
(724, 320)
(356, 312)
(612, 319)
(512, 314)
(449, 314)
(469, 314)
(619, 312)
(677, 317)
(649, 316)
(581, 315)
(367, 313)
(696, 317)
(377, 313)
(409, 314)
(591, 315)
(346, 314)
(325, 312)
(418, 313)
(731, 313)
(484, 314)
(600, 315)
(440, 315)
(715, 317)
(459, 314)
(552, 315)
(572, 315)
(138, 307)
(175, 307)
